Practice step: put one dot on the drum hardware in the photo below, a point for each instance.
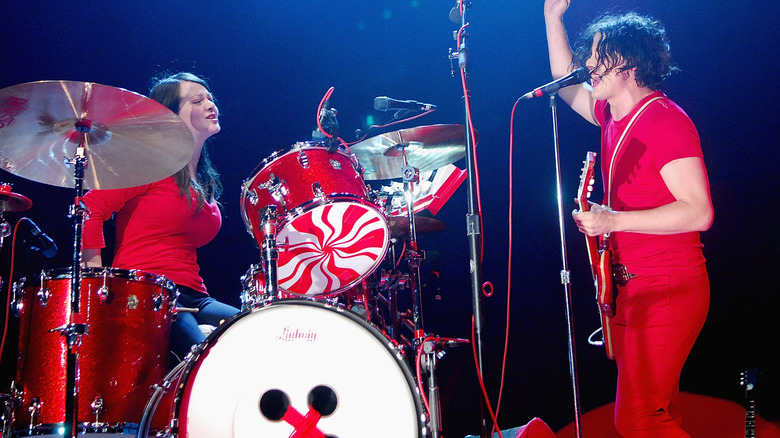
(270, 253)
(43, 293)
(35, 413)
(97, 407)
(16, 296)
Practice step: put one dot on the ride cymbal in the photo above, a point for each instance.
(424, 147)
(133, 140)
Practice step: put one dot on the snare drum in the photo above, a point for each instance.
(293, 364)
(330, 234)
(128, 315)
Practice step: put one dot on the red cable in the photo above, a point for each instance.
(509, 260)
(319, 111)
(482, 382)
(10, 284)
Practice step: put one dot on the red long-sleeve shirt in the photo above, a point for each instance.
(157, 230)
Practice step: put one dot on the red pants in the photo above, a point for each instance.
(658, 319)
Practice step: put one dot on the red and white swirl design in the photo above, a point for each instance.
(331, 247)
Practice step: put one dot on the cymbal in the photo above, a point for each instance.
(133, 140)
(399, 225)
(12, 202)
(425, 147)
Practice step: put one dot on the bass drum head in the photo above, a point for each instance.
(287, 354)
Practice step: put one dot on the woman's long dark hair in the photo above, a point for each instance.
(634, 40)
(207, 187)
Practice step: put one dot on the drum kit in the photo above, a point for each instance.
(318, 349)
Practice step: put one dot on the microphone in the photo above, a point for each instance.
(384, 103)
(578, 76)
(41, 241)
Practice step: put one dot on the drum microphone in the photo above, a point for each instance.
(384, 103)
(41, 241)
(578, 76)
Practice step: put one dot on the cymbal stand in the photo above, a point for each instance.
(411, 176)
(75, 329)
(270, 252)
(565, 273)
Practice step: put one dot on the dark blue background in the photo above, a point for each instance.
(270, 63)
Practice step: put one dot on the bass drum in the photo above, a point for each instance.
(297, 368)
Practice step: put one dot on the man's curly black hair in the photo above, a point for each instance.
(629, 41)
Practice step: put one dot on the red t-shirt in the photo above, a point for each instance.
(662, 133)
(156, 229)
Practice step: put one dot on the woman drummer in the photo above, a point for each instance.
(159, 226)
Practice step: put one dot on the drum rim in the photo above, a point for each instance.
(111, 272)
(204, 346)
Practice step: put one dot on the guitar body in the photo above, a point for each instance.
(600, 258)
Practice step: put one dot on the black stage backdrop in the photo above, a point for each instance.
(270, 63)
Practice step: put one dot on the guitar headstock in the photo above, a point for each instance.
(587, 179)
(748, 379)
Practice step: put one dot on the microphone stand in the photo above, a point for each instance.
(565, 273)
(474, 216)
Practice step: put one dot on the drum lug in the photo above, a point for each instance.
(43, 293)
(102, 294)
(97, 407)
(252, 196)
(35, 412)
(103, 291)
(157, 299)
(319, 194)
(43, 296)
(16, 299)
(303, 160)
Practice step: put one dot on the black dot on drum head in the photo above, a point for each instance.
(323, 400)
(274, 404)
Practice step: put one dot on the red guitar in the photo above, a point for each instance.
(600, 258)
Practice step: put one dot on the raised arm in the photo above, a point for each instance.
(562, 59)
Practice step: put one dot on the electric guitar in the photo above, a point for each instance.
(748, 380)
(600, 258)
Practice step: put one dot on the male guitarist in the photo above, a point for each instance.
(656, 201)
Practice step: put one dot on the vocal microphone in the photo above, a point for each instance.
(384, 103)
(578, 76)
(41, 241)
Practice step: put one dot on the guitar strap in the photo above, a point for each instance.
(620, 144)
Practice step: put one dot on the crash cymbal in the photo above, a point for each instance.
(399, 225)
(426, 148)
(133, 139)
(12, 202)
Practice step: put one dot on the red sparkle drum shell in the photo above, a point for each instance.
(330, 234)
(128, 314)
(293, 346)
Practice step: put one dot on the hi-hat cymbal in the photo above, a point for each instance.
(133, 140)
(425, 147)
(12, 202)
(399, 225)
